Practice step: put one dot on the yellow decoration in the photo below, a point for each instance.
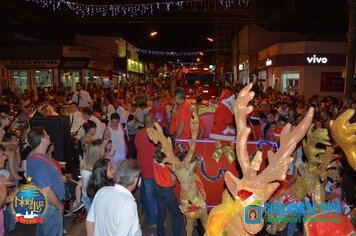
(218, 151)
(344, 134)
(315, 172)
(226, 150)
(203, 110)
(29, 179)
(229, 153)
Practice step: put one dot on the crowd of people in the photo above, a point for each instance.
(112, 150)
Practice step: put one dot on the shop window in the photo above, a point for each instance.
(290, 82)
(331, 82)
(20, 80)
(43, 78)
(92, 76)
(69, 79)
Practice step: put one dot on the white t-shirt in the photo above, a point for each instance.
(114, 212)
(122, 113)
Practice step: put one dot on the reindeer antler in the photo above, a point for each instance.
(157, 136)
(241, 112)
(279, 161)
(314, 137)
(194, 128)
(327, 162)
(344, 134)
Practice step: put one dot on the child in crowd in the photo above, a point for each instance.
(333, 188)
(89, 129)
(165, 195)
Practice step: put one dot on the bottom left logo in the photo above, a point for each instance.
(29, 204)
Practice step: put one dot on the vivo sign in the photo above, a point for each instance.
(317, 60)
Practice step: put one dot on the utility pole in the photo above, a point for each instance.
(351, 50)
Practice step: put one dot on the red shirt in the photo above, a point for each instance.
(145, 150)
(161, 115)
(173, 125)
(184, 114)
(162, 175)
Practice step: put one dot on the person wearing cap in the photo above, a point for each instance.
(224, 122)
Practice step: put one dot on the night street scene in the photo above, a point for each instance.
(177, 118)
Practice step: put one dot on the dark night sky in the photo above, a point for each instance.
(180, 30)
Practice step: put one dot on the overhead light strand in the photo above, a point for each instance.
(132, 10)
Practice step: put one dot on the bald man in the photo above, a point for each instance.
(145, 150)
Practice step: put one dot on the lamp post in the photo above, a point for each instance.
(151, 34)
(211, 40)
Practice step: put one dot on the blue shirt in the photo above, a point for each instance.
(45, 175)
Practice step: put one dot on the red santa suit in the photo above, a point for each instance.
(224, 120)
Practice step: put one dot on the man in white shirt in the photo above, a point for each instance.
(108, 109)
(140, 114)
(114, 210)
(122, 113)
(87, 114)
(82, 97)
(75, 118)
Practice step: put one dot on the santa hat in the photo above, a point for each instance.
(226, 93)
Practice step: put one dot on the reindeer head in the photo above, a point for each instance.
(320, 160)
(263, 184)
(344, 134)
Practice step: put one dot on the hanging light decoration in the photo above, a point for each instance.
(132, 10)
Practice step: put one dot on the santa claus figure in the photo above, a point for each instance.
(224, 120)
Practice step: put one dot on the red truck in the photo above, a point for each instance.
(199, 82)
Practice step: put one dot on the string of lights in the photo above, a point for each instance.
(162, 53)
(132, 10)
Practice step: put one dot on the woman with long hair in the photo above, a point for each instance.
(103, 175)
(94, 151)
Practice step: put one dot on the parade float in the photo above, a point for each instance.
(258, 182)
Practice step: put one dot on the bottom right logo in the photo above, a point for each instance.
(253, 214)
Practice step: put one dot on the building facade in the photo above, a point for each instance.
(304, 67)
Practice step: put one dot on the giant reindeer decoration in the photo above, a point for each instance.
(192, 194)
(228, 217)
(314, 172)
(344, 134)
